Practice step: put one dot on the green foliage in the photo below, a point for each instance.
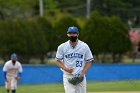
(36, 37)
(16, 8)
(120, 41)
(61, 27)
(95, 27)
(125, 9)
(47, 30)
(50, 4)
(106, 35)
(69, 3)
(28, 37)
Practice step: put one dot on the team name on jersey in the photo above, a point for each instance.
(74, 55)
(13, 68)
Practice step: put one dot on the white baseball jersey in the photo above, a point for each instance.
(74, 57)
(12, 70)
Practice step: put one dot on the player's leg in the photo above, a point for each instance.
(13, 91)
(8, 85)
(69, 88)
(8, 90)
(13, 85)
(81, 87)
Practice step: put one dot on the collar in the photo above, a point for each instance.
(73, 46)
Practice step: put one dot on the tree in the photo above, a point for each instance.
(61, 27)
(9, 9)
(106, 35)
(120, 41)
(45, 27)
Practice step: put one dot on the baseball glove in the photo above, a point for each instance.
(75, 80)
(17, 78)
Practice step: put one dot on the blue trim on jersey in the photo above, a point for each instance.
(59, 58)
(5, 75)
(89, 59)
(19, 74)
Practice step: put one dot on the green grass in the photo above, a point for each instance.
(131, 85)
(92, 86)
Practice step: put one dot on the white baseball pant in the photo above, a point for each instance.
(11, 84)
(70, 88)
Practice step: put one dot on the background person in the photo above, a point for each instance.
(12, 72)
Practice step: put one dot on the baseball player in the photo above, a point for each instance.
(12, 72)
(74, 58)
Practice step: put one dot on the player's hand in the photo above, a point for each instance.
(17, 78)
(69, 70)
(7, 80)
(81, 74)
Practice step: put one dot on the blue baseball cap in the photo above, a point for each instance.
(73, 29)
(13, 56)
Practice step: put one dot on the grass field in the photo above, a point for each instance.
(92, 87)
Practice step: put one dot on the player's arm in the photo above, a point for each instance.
(59, 58)
(86, 67)
(18, 76)
(5, 72)
(19, 72)
(5, 76)
(88, 58)
(61, 65)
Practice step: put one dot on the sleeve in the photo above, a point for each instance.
(19, 74)
(5, 75)
(5, 68)
(20, 68)
(59, 53)
(88, 55)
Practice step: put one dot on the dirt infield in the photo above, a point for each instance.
(117, 92)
